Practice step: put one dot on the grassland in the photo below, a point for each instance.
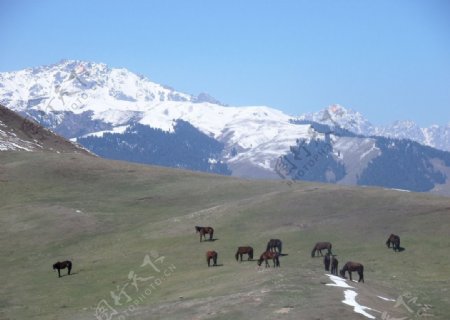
(107, 216)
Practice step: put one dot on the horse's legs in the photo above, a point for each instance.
(350, 275)
(69, 268)
(276, 262)
(361, 276)
(59, 273)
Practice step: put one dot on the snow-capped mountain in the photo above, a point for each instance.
(335, 115)
(78, 99)
(338, 116)
(120, 115)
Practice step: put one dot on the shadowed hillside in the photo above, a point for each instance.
(18, 133)
(129, 230)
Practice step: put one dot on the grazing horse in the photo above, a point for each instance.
(327, 261)
(270, 255)
(244, 250)
(353, 266)
(334, 265)
(203, 231)
(319, 247)
(62, 265)
(395, 241)
(211, 255)
(274, 244)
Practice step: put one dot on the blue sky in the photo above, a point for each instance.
(387, 59)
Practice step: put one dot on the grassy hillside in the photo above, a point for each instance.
(107, 216)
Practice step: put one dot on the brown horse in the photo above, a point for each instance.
(353, 266)
(62, 265)
(327, 261)
(211, 255)
(334, 265)
(274, 256)
(204, 231)
(319, 247)
(395, 241)
(244, 250)
(274, 245)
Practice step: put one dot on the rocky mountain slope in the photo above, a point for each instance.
(20, 134)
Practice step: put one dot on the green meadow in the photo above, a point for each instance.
(129, 231)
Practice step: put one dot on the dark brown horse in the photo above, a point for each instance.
(204, 231)
(270, 255)
(244, 250)
(327, 261)
(62, 265)
(319, 247)
(395, 241)
(274, 245)
(211, 255)
(334, 265)
(353, 266)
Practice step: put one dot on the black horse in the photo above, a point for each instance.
(353, 266)
(244, 250)
(395, 241)
(204, 231)
(334, 265)
(327, 261)
(274, 245)
(62, 265)
(270, 255)
(319, 246)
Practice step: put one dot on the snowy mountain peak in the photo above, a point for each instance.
(337, 115)
(78, 98)
(73, 85)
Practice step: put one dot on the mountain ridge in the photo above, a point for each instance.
(436, 136)
(115, 111)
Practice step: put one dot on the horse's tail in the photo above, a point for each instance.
(268, 246)
(281, 246)
(250, 253)
(237, 254)
(329, 248)
(211, 233)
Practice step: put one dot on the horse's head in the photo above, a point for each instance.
(55, 266)
(342, 273)
(260, 260)
(197, 229)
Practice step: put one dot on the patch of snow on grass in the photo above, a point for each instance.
(338, 282)
(350, 300)
(386, 299)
